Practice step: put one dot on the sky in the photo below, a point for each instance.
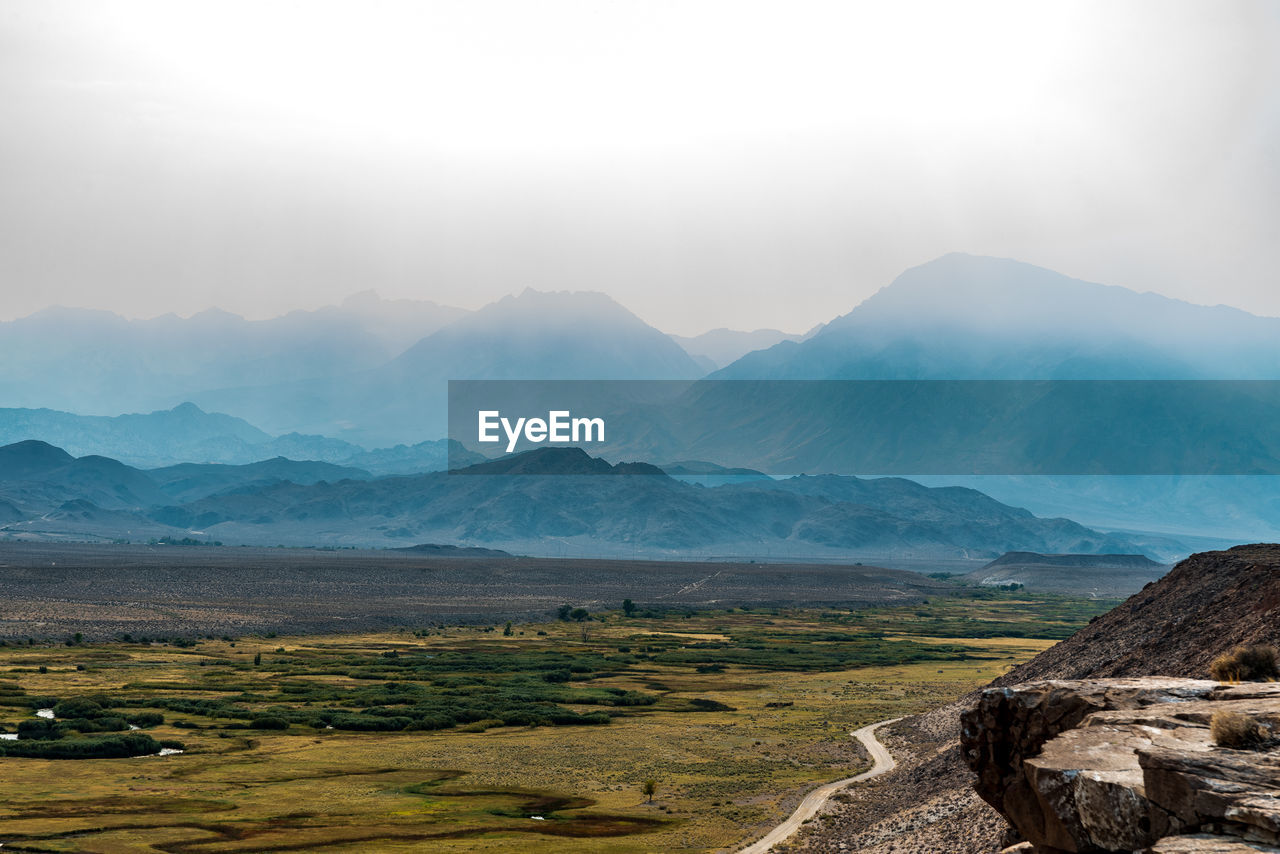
(707, 164)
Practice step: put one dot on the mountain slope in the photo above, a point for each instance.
(1176, 626)
(183, 433)
(187, 434)
(536, 335)
(723, 346)
(96, 361)
(548, 335)
(1102, 575)
(191, 481)
(971, 317)
(31, 458)
(38, 477)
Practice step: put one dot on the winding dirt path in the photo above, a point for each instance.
(881, 762)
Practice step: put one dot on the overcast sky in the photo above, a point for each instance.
(707, 164)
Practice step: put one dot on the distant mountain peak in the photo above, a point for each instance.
(963, 316)
(574, 302)
(215, 314)
(31, 457)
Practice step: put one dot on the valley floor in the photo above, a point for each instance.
(479, 740)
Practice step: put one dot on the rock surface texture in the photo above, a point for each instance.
(1126, 765)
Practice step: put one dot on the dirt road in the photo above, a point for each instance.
(813, 801)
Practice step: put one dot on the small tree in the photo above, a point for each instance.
(649, 788)
(506, 630)
(563, 612)
(628, 607)
(257, 659)
(579, 614)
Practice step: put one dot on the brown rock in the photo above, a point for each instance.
(1116, 765)
(1010, 724)
(1235, 789)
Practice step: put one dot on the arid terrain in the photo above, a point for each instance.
(51, 590)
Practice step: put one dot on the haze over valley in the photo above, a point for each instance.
(725, 427)
(361, 386)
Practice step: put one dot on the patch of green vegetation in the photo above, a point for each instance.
(106, 747)
(733, 713)
(981, 613)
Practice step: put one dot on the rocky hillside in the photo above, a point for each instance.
(1203, 607)
(1176, 626)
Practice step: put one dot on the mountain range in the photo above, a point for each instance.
(552, 501)
(530, 336)
(362, 384)
(187, 433)
(96, 362)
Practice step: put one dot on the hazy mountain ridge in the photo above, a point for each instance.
(188, 434)
(637, 509)
(972, 317)
(956, 316)
(99, 362)
(535, 335)
(720, 347)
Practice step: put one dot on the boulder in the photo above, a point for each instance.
(1009, 724)
(1113, 765)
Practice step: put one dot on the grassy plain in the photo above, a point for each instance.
(776, 691)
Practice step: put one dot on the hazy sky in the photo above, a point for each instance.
(706, 163)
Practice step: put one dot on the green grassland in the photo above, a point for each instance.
(470, 739)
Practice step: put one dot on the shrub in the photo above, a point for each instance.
(481, 726)
(110, 747)
(1257, 663)
(79, 707)
(700, 704)
(1232, 729)
(370, 723)
(88, 725)
(39, 728)
(268, 722)
(430, 722)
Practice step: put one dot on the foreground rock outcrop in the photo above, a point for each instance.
(1176, 627)
(1126, 765)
